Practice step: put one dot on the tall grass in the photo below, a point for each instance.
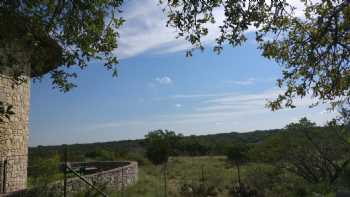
(212, 170)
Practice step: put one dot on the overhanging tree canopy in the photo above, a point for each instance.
(313, 49)
(58, 34)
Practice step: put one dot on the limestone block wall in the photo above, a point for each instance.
(14, 132)
(118, 175)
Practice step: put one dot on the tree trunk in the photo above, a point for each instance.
(14, 131)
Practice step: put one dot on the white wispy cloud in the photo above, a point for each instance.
(145, 29)
(194, 96)
(178, 105)
(253, 102)
(246, 82)
(189, 96)
(164, 80)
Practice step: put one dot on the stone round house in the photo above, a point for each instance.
(19, 63)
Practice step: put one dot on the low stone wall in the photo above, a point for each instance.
(112, 175)
(125, 174)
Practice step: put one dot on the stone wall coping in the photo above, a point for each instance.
(130, 163)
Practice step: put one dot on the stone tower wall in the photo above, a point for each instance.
(14, 132)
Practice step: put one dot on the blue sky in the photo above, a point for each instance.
(159, 88)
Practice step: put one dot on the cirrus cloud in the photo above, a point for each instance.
(145, 29)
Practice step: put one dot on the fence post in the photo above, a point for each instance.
(165, 180)
(65, 157)
(202, 178)
(160, 192)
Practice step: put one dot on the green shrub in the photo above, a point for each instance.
(44, 171)
(270, 181)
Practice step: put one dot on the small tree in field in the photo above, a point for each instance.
(237, 155)
(160, 145)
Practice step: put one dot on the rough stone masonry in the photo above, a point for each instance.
(14, 131)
